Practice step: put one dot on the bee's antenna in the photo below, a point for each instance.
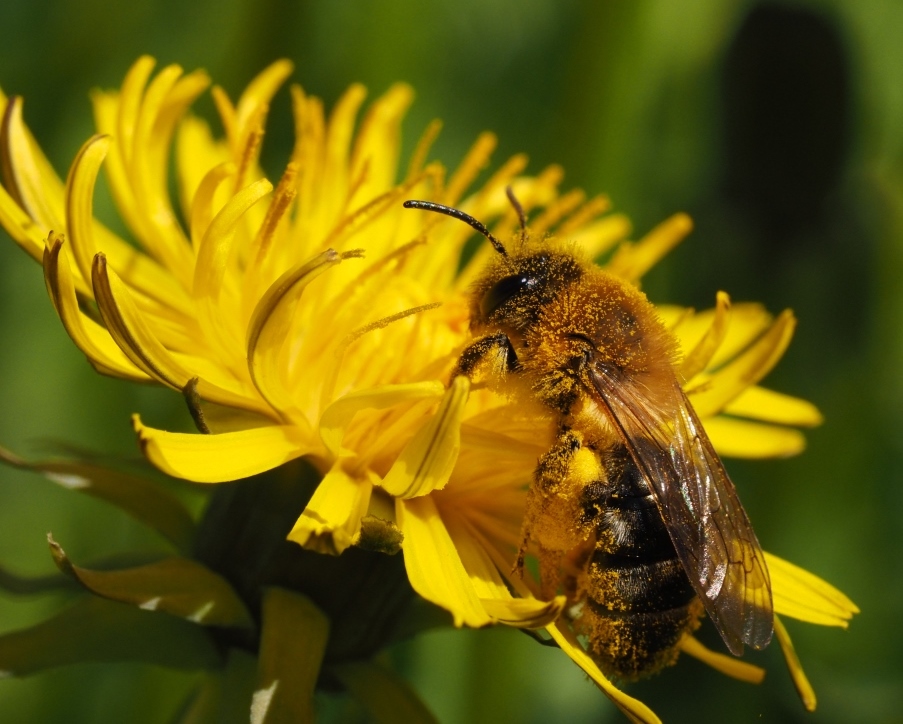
(509, 192)
(461, 216)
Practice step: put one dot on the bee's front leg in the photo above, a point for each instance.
(483, 350)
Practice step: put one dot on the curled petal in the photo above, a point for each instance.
(216, 246)
(80, 198)
(524, 612)
(271, 323)
(130, 329)
(427, 461)
(219, 458)
(136, 338)
(92, 339)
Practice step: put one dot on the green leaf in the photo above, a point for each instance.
(176, 586)
(223, 698)
(387, 698)
(25, 585)
(294, 638)
(142, 499)
(98, 630)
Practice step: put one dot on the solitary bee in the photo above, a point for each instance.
(631, 512)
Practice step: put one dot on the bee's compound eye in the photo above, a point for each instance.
(503, 290)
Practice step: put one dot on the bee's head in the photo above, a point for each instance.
(513, 292)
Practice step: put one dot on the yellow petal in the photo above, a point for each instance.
(338, 416)
(800, 681)
(196, 154)
(743, 439)
(334, 184)
(115, 115)
(79, 201)
(600, 236)
(491, 587)
(678, 318)
(727, 665)
(375, 156)
(433, 565)
(130, 329)
(270, 325)
(219, 458)
(203, 207)
(632, 261)
(21, 227)
(634, 709)
(34, 183)
(805, 596)
(165, 101)
(216, 246)
(698, 358)
(332, 518)
(524, 612)
(88, 237)
(256, 96)
(760, 403)
(749, 320)
(474, 162)
(92, 339)
(427, 461)
(710, 396)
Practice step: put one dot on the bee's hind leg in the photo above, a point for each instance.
(547, 510)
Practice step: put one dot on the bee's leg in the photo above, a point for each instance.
(551, 473)
(483, 348)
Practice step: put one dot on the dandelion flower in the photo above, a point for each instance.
(316, 319)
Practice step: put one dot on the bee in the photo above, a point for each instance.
(631, 512)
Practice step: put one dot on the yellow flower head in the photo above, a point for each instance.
(319, 318)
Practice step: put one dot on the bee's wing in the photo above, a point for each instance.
(710, 530)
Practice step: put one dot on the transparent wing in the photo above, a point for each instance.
(710, 530)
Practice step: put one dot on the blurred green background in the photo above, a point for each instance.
(776, 125)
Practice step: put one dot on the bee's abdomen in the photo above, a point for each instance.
(638, 599)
